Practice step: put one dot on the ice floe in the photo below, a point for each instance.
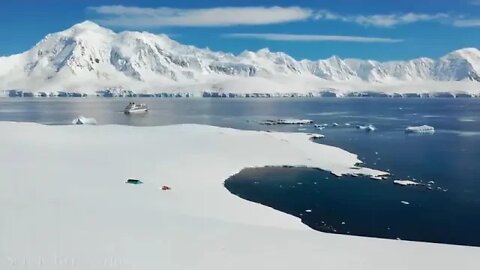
(420, 129)
(466, 119)
(379, 177)
(320, 126)
(406, 183)
(287, 121)
(82, 120)
(367, 128)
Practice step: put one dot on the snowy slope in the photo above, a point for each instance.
(88, 57)
(65, 205)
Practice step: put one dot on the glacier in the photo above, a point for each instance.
(87, 58)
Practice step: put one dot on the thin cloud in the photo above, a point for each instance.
(124, 16)
(380, 20)
(311, 38)
(467, 23)
(142, 17)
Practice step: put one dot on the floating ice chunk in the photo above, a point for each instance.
(293, 121)
(465, 119)
(367, 128)
(375, 177)
(405, 202)
(335, 124)
(420, 129)
(81, 120)
(287, 121)
(315, 136)
(308, 210)
(320, 126)
(406, 183)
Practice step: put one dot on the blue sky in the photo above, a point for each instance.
(374, 29)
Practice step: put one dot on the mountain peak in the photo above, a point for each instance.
(87, 30)
(470, 50)
(264, 51)
(466, 53)
(334, 58)
(87, 25)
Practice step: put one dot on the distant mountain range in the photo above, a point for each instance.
(87, 57)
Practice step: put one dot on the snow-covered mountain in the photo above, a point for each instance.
(87, 57)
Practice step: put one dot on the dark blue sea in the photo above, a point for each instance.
(449, 212)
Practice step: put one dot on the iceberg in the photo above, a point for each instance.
(81, 120)
(420, 129)
(367, 128)
(406, 183)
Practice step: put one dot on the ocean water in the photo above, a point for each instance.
(449, 213)
(363, 207)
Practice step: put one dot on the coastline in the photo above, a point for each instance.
(63, 193)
